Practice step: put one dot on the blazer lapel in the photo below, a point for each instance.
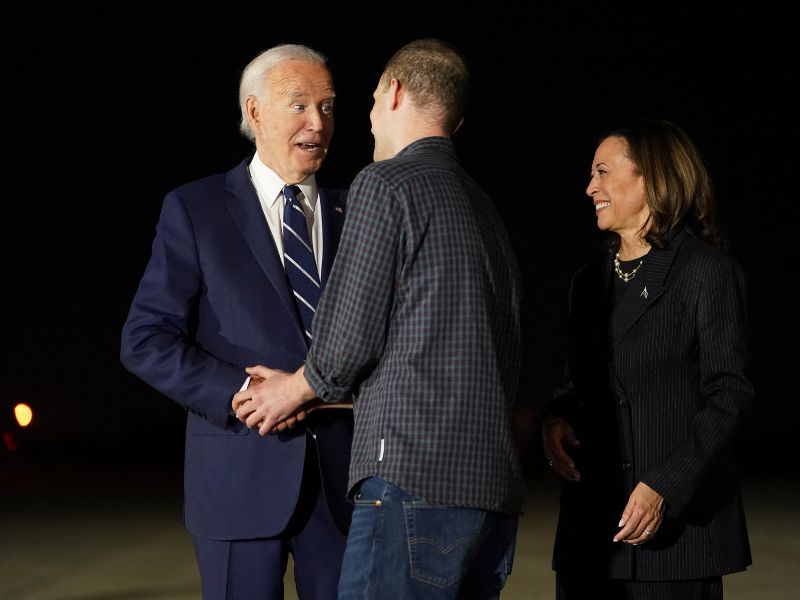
(645, 290)
(246, 211)
(333, 211)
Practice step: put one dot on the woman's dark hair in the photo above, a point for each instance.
(677, 186)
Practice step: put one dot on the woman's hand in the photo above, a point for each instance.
(555, 433)
(642, 516)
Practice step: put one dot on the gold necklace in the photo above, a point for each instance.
(626, 277)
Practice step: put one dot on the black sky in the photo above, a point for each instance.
(107, 114)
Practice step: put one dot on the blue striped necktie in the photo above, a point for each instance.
(298, 258)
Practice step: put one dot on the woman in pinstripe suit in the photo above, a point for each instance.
(642, 430)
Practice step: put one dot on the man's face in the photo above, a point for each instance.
(377, 118)
(294, 124)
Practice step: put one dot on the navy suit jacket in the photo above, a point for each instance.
(213, 300)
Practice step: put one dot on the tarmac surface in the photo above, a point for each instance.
(78, 532)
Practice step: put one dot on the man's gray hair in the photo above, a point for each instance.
(254, 75)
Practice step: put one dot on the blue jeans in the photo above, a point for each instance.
(400, 547)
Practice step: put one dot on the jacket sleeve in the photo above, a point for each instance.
(158, 342)
(351, 323)
(565, 402)
(722, 355)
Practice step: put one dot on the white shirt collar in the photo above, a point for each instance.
(270, 185)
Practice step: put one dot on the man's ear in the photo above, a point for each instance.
(396, 93)
(252, 111)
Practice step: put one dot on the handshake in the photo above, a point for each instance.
(276, 400)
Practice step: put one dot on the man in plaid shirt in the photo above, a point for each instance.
(420, 322)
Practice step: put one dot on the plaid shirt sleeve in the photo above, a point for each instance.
(350, 326)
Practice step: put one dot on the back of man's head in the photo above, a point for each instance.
(435, 75)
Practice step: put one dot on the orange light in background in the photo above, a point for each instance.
(24, 414)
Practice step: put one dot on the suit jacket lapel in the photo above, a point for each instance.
(646, 289)
(246, 211)
(332, 223)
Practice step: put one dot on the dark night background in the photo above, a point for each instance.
(107, 112)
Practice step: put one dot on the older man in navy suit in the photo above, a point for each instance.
(216, 297)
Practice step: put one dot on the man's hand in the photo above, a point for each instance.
(275, 402)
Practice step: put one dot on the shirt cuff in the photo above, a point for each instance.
(244, 387)
(327, 392)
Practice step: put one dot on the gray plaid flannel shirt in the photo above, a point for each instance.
(420, 320)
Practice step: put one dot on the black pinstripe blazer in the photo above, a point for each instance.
(655, 390)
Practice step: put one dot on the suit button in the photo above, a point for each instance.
(626, 466)
(623, 403)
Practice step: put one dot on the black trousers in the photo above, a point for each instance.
(575, 588)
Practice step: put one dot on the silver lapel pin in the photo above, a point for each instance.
(644, 292)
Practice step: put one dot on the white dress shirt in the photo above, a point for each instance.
(269, 187)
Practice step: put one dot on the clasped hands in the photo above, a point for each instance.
(274, 400)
